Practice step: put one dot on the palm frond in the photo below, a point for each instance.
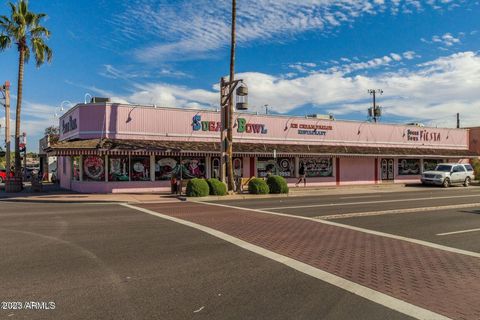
(5, 42)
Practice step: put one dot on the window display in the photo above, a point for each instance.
(76, 168)
(282, 166)
(93, 168)
(317, 167)
(408, 167)
(166, 168)
(140, 169)
(430, 164)
(118, 169)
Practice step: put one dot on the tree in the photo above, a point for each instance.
(53, 133)
(23, 28)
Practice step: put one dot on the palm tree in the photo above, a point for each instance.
(23, 28)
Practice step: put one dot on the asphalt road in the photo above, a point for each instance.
(110, 262)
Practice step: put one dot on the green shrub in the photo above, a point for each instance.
(197, 188)
(258, 186)
(277, 184)
(217, 187)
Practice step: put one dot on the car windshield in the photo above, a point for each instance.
(443, 168)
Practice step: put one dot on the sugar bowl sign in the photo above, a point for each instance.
(241, 124)
(422, 135)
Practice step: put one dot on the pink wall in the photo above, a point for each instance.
(128, 122)
(65, 178)
(357, 171)
(121, 187)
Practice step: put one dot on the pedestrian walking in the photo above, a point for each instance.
(302, 172)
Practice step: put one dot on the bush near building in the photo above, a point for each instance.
(277, 184)
(476, 167)
(197, 188)
(217, 187)
(258, 186)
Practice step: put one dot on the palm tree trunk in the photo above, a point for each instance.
(18, 161)
(230, 180)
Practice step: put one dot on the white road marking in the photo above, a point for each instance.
(368, 202)
(361, 197)
(457, 232)
(346, 226)
(396, 211)
(355, 288)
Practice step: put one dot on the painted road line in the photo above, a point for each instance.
(355, 288)
(457, 232)
(368, 202)
(346, 226)
(361, 197)
(396, 211)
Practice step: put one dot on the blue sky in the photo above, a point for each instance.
(309, 56)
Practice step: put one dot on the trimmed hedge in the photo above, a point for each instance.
(197, 188)
(258, 186)
(277, 184)
(217, 187)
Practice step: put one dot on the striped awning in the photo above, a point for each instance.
(194, 148)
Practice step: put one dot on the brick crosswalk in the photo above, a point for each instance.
(444, 282)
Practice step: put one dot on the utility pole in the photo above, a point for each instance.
(227, 89)
(458, 120)
(6, 92)
(375, 109)
(230, 101)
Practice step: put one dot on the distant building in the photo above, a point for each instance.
(47, 164)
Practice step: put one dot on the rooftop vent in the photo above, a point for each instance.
(321, 116)
(99, 100)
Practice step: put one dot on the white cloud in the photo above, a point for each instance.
(446, 39)
(436, 89)
(193, 29)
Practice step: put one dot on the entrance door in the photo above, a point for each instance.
(388, 172)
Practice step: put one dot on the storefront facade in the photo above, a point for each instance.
(128, 148)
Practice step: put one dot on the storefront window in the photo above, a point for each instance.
(216, 168)
(76, 168)
(165, 168)
(168, 167)
(193, 168)
(93, 168)
(317, 167)
(408, 167)
(118, 168)
(140, 169)
(430, 164)
(282, 166)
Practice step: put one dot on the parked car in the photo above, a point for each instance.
(3, 175)
(447, 174)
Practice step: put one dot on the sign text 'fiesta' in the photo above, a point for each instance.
(242, 126)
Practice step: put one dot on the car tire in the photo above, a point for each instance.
(467, 182)
(446, 183)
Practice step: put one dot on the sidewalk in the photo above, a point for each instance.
(54, 194)
(445, 282)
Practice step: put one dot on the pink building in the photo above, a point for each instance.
(108, 147)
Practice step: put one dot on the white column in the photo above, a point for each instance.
(81, 168)
(106, 168)
(297, 166)
(208, 167)
(152, 168)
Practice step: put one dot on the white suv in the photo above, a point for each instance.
(446, 174)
